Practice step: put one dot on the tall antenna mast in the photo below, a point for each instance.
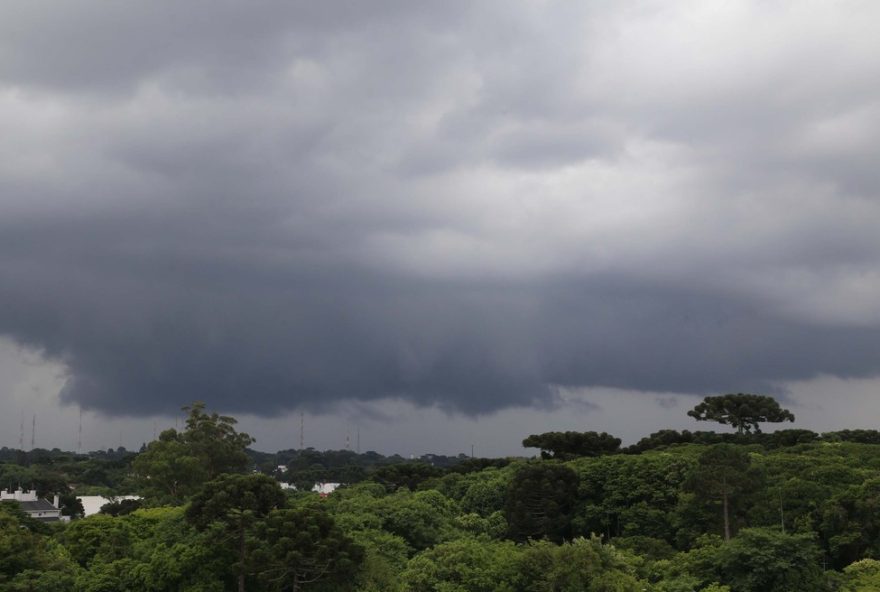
(79, 438)
(21, 433)
(302, 430)
(348, 440)
(33, 431)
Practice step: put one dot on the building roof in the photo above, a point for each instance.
(40, 505)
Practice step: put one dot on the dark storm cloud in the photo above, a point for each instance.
(279, 205)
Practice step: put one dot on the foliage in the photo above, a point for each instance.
(28, 560)
(568, 445)
(409, 475)
(121, 507)
(583, 564)
(176, 465)
(98, 538)
(233, 507)
(770, 441)
(764, 560)
(541, 502)
(722, 473)
(742, 411)
(851, 523)
(304, 546)
(798, 503)
(630, 495)
(862, 576)
(464, 565)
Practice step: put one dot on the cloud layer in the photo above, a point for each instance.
(280, 205)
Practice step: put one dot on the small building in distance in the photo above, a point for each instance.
(35, 507)
(325, 489)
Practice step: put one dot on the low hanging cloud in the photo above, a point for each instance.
(281, 205)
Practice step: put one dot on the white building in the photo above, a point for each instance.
(322, 489)
(39, 509)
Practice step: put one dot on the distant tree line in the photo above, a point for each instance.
(740, 512)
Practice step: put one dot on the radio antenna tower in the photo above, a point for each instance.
(348, 440)
(21, 433)
(302, 430)
(79, 435)
(33, 431)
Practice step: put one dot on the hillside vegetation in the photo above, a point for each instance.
(678, 511)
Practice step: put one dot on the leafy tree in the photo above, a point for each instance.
(647, 547)
(624, 495)
(29, 560)
(789, 502)
(860, 436)
(541, 501)
(169, 471)
(742, 411)
(422, 519)
(385, 556)
(232, 505)
(121, 507)
(213, 438)
(862, 576)
(582, 564)
(304, 546)
(482, 493)
(97, 538)
(464, 565)
(851, 523)
(409, 475)
(71, 506)
(722, 473)
(176, 465)
(169, 554)
(566, 445)
(765, 560)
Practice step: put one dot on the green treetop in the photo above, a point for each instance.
(742, 411)
(567, 445)
(176, 465)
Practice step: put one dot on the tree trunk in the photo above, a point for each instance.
(241, 552)
(726, 518)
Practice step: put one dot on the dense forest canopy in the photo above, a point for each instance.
(790, 510)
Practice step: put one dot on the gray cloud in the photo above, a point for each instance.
(280, 205)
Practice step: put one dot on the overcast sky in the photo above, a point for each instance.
(443, 224)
